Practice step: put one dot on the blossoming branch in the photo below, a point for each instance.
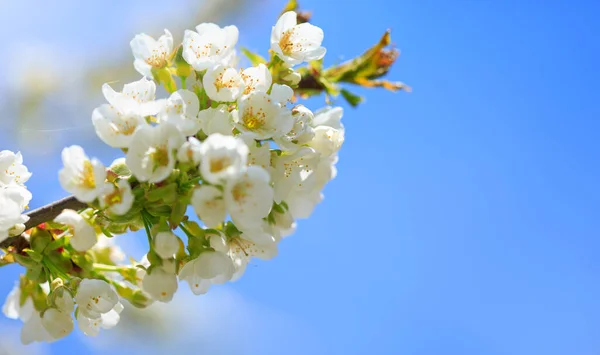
(231, 142)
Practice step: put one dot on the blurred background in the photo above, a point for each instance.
(465, 216)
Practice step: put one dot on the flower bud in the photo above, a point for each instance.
(166, 244)
(62, 299)
(160, 284)
(140, 299)
(58, 324)
(119, 167)
(16, 229)
(291, 78)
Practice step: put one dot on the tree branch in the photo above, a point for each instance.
(41, 215)
(50, 211)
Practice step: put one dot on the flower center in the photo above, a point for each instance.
(253, 121)
(87, 175)
(219, 164)
(240, 191)
(221, 83)
(114, 198)
(158, 58)
(285, 43)
(125, 128)
(160, 156)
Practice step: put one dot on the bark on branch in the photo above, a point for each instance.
(41, 215)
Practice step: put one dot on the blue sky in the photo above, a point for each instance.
(465, 215)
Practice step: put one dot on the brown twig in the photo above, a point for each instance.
(41, 215)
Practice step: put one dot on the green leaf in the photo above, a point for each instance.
(34, 273)
(163, 76)
(177, 213)
(182, 68)
(38, 257)
(192, 229)
(196, 246)
(57, 243)
(290, 6)
(374, 63)
(159, 211)
(352, 99)
(40, 239)
(162, 192)
(25, 261)
(254, 58)
(231, 230)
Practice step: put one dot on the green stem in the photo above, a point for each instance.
(193, 181)
(54, 271)
(203, 99)
(186, 231)
(109, 268)
(183, 82)
(147, 228)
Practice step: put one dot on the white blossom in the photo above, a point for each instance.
(209, 205)
(329, 116)
(217, 240)
(291, 170)
(12, 170)
(283, 221)
(302, 203)
(181, 110)
(302, 199)
(150, 53)
(254, 243)
(327, 140)
(83, 235)
(259, 153)
(223, 84)
(34, 331)
(107, 246)
(209, 45)
(13, 200)
(249, 197)
(210, 267)
(63, 300)
(161, 283)
(115, 128)
(296, 43)
(256, 78)
(217, 120)
(12, 307)
(262, 116)
(118, 199)
(189, 152)
(223, 158)
(95, 298)
(248, 163)
(81, 176)
(282, 94)
(58, 324)
(302, 131)
(136, 98)
(108, 320)
(151, 156)
(166, 244)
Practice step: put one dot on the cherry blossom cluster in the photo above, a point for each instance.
(228, 141)
(14, 196)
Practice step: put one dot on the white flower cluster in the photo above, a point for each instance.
(232, 145)
(14, 196)
(98, 306)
